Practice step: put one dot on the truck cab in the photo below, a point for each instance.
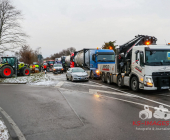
(91, 59)
(140, 64)
(151, 65)
(100, 58)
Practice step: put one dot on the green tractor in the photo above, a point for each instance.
(10, 66)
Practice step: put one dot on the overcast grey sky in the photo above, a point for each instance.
(54, 25)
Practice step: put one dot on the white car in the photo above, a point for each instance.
(77, 74)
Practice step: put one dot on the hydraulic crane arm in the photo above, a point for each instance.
(138, 40)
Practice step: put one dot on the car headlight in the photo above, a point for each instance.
(149, 82)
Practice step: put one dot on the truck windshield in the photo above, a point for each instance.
(57, 65)
(106, 58)
(50, 62)
(157, 57)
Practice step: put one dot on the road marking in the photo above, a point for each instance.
(137, 96)
(86, 84)
(72, 108)
(13, 125)
(127, 101)
(59, 84)
(111, 88)
(93, 91)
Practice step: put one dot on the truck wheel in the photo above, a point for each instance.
(119, 81)
(134, 84)
(108, 79)
(92, 75)
(26, 72)
(103, 78)
(7, 72)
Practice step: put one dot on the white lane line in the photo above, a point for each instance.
(137, 96)
(93, 91)
(126, 101)
(13, 125)
(59, 84)
(86, 84)
(111, 88)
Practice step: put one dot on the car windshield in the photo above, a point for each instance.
(106, 58)
(158, 57)
(77, 70)
(57, 65)
(45, 63)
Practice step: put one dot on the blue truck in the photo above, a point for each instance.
(90, 60)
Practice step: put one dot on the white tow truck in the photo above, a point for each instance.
(139, 64)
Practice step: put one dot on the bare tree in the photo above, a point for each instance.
(65, 52)
(11, 34)
(27, 55)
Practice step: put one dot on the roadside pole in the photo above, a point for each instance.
(16, 69)
(45, 73)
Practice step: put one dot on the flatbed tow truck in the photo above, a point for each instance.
(139, 64)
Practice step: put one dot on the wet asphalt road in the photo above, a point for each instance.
(68, 111)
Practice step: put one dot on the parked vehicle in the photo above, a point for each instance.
(57, 68)
(66, 61)
(35, 67)
(77, 74)
(69, 61)
(89, 60)
(50, 64)
(140, 64)
(57, 60)
(45, 66)
(10, 66)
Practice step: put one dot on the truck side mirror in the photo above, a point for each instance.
(136, 51)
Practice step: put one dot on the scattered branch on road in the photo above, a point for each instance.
(11, 35)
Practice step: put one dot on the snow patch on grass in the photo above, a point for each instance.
(33, 78)
(4, 134)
